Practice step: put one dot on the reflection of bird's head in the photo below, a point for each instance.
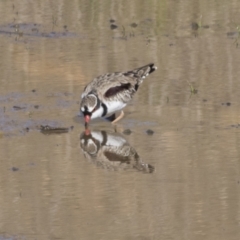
(89, 144)
(88, 105)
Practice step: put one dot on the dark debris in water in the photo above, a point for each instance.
(227, 104)
(130, 30)
(113, 26)
(46, 129)
(133, 25)
(232, 34)
(14, 169)
(18, 108)
(127, 132)
(195, 26)
(235, 125)
(150, 132)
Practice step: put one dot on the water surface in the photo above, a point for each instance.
(181, 182)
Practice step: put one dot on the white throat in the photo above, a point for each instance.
(98, 113)
(112, 107)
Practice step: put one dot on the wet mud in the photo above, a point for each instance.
(19, 114)
(171, 168)
(19, 30)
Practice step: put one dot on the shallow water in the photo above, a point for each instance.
(181, 182)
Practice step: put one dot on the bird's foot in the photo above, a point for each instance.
(118, 118)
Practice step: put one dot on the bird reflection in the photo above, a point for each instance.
(111, 151)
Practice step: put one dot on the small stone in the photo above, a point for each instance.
(34, 90)
(195, 26)
(14, 169)
(228, 104)
(204, 100)
(113, 26)
(36, 106)
(18, 108)
(111, 20)
(150, 132)
(133, 25)
(232, 34)
(127, 132)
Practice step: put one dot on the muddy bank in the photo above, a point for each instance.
(19, 30)
(24, 112)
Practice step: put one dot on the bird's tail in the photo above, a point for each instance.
(142, 72)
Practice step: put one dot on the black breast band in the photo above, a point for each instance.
(104, 109)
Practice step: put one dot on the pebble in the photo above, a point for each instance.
(150, 132)
(14, 169)
(133, 25)
(127, 132)
(113, 26)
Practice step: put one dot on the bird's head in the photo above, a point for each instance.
(88, 105)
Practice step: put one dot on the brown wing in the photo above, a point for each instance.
(119, 86)
(114, 87)
(113, 91)
(120, 91)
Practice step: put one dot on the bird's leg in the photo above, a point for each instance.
(118, 118)
(111, 118)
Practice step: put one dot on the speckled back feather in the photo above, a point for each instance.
(118, 86)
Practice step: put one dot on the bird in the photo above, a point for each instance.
(112, 151)
(111, 92)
